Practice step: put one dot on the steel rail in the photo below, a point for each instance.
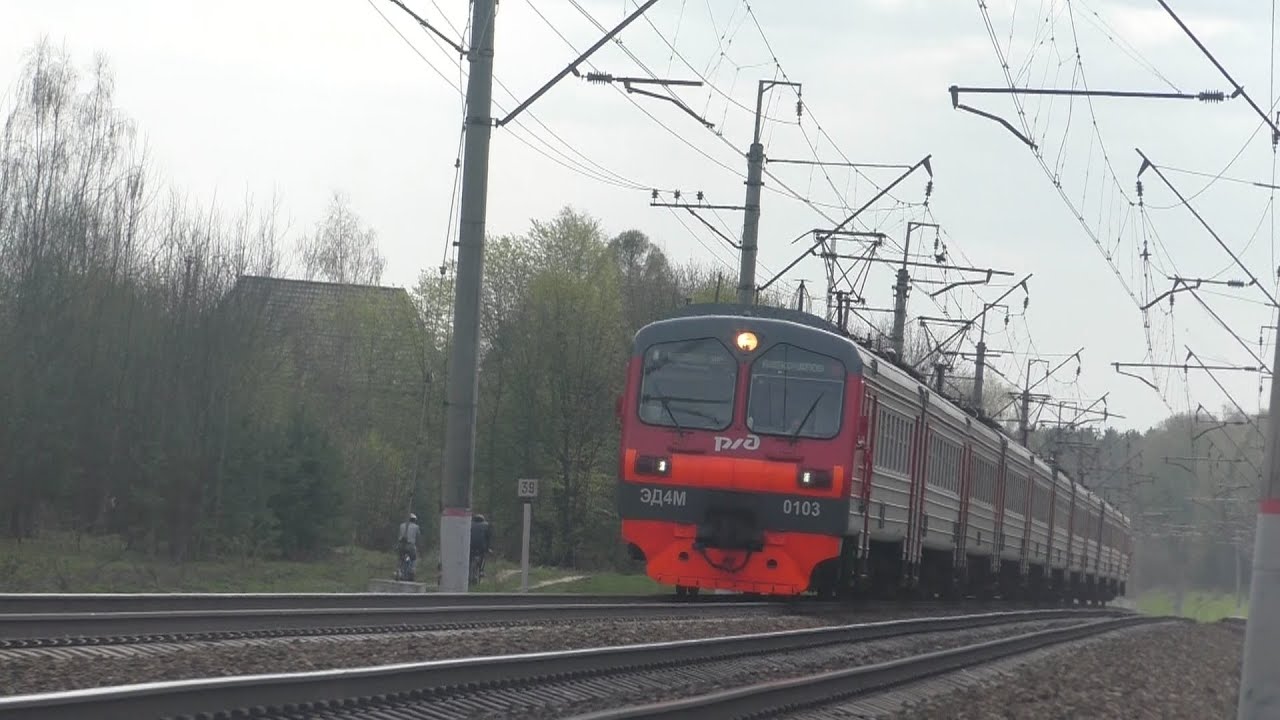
(143, 602)
(24, 629)
(297, 693)
(793, 694)
(155, 602)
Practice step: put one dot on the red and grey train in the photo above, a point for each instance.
(764, 451)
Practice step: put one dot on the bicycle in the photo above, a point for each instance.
(404, 571)
(477, 568)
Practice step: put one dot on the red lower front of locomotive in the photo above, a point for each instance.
(738, 524)
(783, 566)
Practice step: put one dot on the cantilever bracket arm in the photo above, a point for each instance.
(1209, 429)
(1020, 284)
(957, 105)
(960, 283)
(627, 84)
(924, 162)
(1179, 285)
(693, 211)
(573, 66)
(432, 28)
(1149, 384)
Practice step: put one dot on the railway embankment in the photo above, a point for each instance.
(1165, 671)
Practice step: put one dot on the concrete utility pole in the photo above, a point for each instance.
(460, 431)
(897, 336)
(1259, 677)
(900, 289)
(1024, 417)
(751, 219)
(980, 364)
(751, 216)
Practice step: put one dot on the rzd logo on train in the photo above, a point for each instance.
(750, 442)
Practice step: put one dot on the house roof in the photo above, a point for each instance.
(287, 301)
(357, 335)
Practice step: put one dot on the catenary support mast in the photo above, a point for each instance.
(751, 216)
(460, 433)
(980, 364)
(1260, 674)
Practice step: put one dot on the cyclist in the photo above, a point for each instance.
(408, 543)
(480, 536)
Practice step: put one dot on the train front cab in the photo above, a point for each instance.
(737, 452)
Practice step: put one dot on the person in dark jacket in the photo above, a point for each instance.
(480, 539)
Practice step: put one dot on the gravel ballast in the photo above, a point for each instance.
(1169, 671)
(55, 669)
(583, 694)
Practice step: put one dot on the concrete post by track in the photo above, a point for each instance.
(460, 432)
(1260, 673)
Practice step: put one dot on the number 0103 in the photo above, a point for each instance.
(804, 508)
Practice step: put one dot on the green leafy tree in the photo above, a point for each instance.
(308, 500)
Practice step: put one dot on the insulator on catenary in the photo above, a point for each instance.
(600, 77)
(1212, 96)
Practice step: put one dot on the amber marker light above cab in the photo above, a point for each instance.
(747, 341)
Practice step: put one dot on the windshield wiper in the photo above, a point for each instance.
(666, 400)
(795, 435)
(669, 358)
(680, 398)
(666, 405)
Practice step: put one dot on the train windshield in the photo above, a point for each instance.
(688, 385)
(795, 392)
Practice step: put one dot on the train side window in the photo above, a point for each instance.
(1015, 493)
(796, 392)
(1042, 502)
(984, 473)
(893, 442)
(944, 464)
(688, 384)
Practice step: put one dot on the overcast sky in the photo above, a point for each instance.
(300, 98)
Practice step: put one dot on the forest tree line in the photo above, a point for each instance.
(139, 400)
(135, 401)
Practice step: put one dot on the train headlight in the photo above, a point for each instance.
(814, 479)
(648, 465)
(747, 341)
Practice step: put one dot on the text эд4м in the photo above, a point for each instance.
(659, 497)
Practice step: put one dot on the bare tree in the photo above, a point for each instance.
(341, 249)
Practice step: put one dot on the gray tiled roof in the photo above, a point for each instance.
(361, 342)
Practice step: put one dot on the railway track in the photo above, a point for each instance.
(784, 697)
(75, 629)
(487, 685)
(11, 603)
